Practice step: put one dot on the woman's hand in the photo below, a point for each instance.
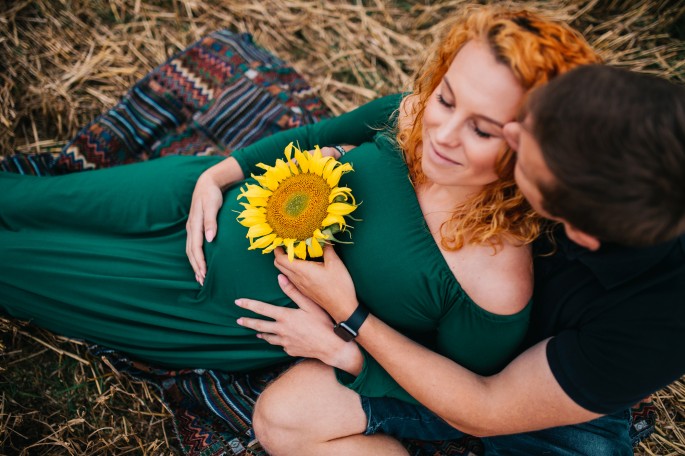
(334, 151)
(303, 332)
(207, 200)
(328, 284)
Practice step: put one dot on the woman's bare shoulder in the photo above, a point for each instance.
(502, 282)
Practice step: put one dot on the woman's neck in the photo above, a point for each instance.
(439, 201)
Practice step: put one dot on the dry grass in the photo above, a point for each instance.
(63, 62)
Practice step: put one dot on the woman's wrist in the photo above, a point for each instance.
(224, 174)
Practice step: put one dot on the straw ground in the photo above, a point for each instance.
(63, 62)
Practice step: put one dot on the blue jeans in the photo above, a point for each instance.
(605, 436)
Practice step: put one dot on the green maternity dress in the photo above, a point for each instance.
(100, 256)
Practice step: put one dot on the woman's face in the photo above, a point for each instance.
(464, 116)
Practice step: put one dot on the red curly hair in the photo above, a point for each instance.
(535, 49)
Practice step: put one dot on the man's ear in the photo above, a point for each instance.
(581, 238)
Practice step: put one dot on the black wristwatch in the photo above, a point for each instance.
(349, 329)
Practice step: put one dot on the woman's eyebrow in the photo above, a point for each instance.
(480, 116)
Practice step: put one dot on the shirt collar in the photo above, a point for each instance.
(614, 264)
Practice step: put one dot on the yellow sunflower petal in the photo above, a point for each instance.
(332, 219)
(314, 249)
(262, 242)
(252, 221)
(281, 170)
(334, 177)
(345, 192)
(302, 160)
(288, 151)
(258, 202)
(329, 167)
(275, 243)
(252, 212)
(319, 235)
(290, 248)
(254, 191)
(341, 208)
(267, 180)
(317, 152)
(318, 162)
(301, 250)
(259, 230)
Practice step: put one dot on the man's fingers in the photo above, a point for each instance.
(289, 288)
(262, 308)
(329, 254)
(273, 339)
(262, 326)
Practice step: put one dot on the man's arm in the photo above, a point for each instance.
(524, 396)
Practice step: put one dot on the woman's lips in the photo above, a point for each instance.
(442, 157)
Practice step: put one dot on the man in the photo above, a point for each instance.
(601, 151)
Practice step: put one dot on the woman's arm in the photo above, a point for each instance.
(355, 127)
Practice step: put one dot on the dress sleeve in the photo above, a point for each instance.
(373, 381)
(355, 127)
(465, 335)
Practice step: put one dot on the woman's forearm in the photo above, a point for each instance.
(225, 173)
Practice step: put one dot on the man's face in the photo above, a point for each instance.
(531, 169)
(531, 172)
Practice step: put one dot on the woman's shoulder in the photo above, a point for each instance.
(500, 282)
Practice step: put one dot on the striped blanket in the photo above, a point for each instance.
(222, 93)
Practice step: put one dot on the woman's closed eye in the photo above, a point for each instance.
(480, 133)
(444, 102)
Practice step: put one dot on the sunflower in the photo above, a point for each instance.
(297, 204)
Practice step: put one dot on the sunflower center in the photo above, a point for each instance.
(298, 206)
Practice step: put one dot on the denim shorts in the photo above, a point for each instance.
(404, 420)
(604, 436)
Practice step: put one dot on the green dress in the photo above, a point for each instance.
(100, 256)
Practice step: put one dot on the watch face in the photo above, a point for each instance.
(342, 332)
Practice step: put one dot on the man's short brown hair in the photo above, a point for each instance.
(615, 142)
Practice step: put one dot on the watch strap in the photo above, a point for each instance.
(349, 329)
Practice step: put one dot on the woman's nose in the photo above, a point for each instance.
(448, 133)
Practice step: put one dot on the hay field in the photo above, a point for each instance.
(62, 62)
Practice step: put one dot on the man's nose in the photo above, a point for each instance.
(512, 133)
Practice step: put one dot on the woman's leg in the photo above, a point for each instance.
(307, 412)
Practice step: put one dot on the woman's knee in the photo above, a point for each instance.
(281, 412)
(270, 420)
(306, 405)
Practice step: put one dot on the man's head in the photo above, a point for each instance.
(603, 150)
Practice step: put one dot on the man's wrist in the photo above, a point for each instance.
(348, 329)
(348, 358)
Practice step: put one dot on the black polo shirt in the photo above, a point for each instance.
(617, 318)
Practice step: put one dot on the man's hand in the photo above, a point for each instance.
(303, 332)
(328, 284)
